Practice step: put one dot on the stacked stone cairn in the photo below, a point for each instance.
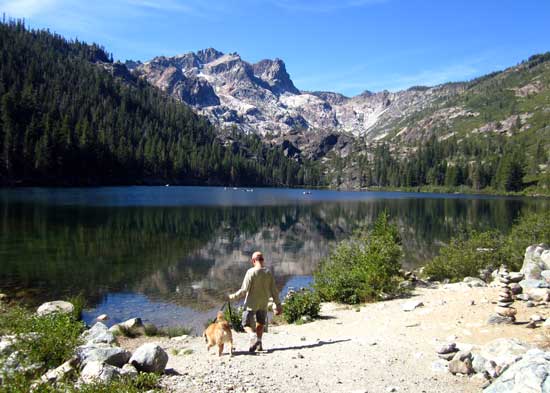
(505, 312)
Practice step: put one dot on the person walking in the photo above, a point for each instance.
(257, 288)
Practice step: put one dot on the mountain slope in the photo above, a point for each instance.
(68, 115)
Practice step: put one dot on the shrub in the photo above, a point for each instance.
(471, 251)
(173, 331)
(235, 319)
(466, 255)
(46, 340)
(532, 228)
(364, 268)
(301, 303)
(79, 303)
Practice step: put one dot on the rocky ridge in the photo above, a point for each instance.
(261, 97)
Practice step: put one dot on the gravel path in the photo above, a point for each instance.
(375, 348)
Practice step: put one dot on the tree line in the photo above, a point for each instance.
(66, 120)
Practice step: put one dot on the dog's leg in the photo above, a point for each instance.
(230, 348)
(220, 349)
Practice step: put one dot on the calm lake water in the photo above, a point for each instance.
(168, 254)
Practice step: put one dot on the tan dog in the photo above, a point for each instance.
(219, 333)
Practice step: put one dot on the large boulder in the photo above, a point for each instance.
(504, 351)
(98, 372)
(57, 306)
(149, 358)
(538, 294)
(99, 333)
(461, 363)
(536, 259)
(528, 375)
(474, 282)
(105, 353)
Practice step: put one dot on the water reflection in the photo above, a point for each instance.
(189, 256)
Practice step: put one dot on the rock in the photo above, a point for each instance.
(536, 318)
(59, 306)
(504, 351)
(102, 317)
(478, 363)
(97, 372)
(98, 334)
(4, 298)
(505, 304)
(531, 325)
(180, 338)
(516, 277)
(528, 284)
(545, 275)
(149, 358)
(509, 312)
(7, 345)
(499, 319)
(447, 356)
(129, 370)
(530, 304)
(104, 353)
(461, 365)
(515, 288)
(116, 330)
(491, 368)
(406, 285)
(447, 348)
(537, 294)
(61, 373)
(463, 355)
(474, 282)
(133, 327)
(546, 324)
(411, 305)
(530, 374)
(522, 296)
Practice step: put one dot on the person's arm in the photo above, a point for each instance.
(244, 288)
(275, 295)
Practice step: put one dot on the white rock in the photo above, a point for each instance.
(134, 327)
(149, 358)
(102, 317)
(59, 306)
(98, 334)
(98, 372)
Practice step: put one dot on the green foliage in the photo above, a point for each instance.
(79, 303)
(45, 340)
(466, 255)
(173, 331)
(363, 268)
(235, 319)
(529, 229)
(301, 303)
(471, 251)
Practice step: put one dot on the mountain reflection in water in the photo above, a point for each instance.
(189, 256)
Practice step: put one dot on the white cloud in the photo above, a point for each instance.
(26, 8)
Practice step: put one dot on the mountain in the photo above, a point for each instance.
(69, 115)
(261, 97)
(474, 121)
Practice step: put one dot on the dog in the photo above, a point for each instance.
(218, 333)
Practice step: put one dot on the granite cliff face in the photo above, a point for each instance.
(261, 98)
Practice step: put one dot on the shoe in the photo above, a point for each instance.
(259, 347)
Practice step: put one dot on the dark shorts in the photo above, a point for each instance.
(251, 317)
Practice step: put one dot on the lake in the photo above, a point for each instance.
(169, 254)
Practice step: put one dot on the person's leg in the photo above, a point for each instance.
(249, 325)
(261, 318)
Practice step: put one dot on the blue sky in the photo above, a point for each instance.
(346, 46)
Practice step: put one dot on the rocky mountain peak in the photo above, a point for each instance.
(274, 73)
(208, 55)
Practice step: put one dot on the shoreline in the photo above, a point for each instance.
(372, 347)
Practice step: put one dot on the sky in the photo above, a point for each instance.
(347, 46)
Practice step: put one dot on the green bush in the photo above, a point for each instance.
(529, 229)
(235, 319)
(301, 303)
(45, 340)
(364, 268)
(471, 251)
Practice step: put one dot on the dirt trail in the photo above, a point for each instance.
(373, 348)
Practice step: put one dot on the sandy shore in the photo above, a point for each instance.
(372, 348)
